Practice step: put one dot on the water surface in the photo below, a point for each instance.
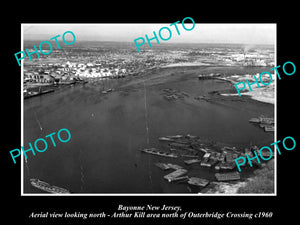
(108, 130)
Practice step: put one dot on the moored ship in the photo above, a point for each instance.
(47, 187)
(262, 119)
(177, 173)
(198, 181)
(29, 94)
(154, 151)
(266, 123)
(192, 161)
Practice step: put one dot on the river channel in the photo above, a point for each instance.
(108, 130)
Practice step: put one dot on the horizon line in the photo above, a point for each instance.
(237, 43)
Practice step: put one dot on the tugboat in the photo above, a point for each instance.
(175, 136)
(47, 187)
(254, 120)
(269, 128)
(107, 91)
(205, 159)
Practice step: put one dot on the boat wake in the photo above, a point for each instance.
(38, 122)
(147, 134)
(146, 113)
(82, 184)
(27, 167)
(81, 178)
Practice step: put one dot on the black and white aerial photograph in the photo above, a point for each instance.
(150, 108)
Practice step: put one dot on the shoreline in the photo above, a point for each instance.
(262, 94)
(185, 64)
(226, 187)
(38, 89)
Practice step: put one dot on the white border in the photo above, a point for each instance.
(154, 194)
(275, 118)
(22, 116)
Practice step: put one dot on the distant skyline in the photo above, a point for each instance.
(202, 33)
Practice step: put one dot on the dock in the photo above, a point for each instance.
(201, 153)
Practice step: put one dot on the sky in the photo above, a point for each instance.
(202, 33)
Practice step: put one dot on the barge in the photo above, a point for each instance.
(198, 181)
(177, 173)
(227, 176)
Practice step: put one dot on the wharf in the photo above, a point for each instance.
(204, 154)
